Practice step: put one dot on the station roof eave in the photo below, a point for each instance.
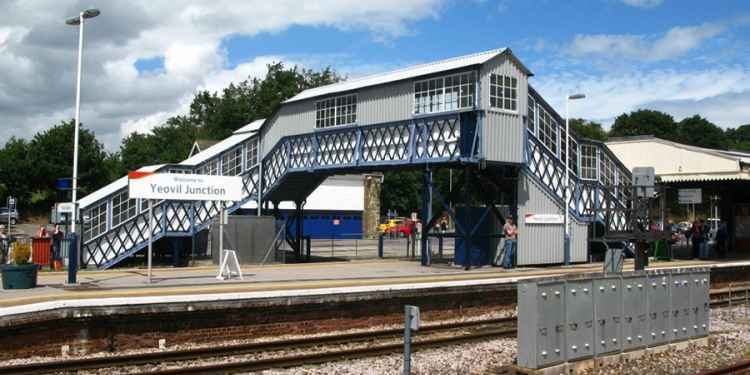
(112, 187)
(704, 177)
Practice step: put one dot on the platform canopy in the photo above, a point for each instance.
(676, 162)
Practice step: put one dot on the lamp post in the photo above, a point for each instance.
(566, 203)
(73, 255)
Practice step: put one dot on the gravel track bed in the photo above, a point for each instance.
(39, 359)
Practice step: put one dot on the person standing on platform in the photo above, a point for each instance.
(722, 234)
(57, 237)
(511, 232)
(695, 238)
(705, 251)
(3, 244)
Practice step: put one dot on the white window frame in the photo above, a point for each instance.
(123, 208)
(210, 167)
(336, 111)
(549, 140)
(231, 162)
(443, 94)
(607, 170)
(97, 223)
(251, 152)
(587, 168)
(504, 92)
(532, 123)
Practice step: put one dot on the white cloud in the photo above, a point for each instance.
(643, 3)
(38, 56)
(674, 43)
(679, 93)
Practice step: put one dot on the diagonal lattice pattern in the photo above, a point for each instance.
(426, 140)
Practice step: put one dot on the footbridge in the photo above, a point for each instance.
(475, 113)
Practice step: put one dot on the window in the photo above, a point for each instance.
(178, 171)
(340, 110)
(210, 167)
(445, 93)
(251, 148)
(123, 208)
(97, 223)
(607, 169)
(231, 162)
(588, 162)
(531, 120)
(573, 161)
(547, 130)
(503, 92)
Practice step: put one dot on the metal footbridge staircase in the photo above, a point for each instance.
(116, 228)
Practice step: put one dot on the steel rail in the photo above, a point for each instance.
(229, 350)
(739, 367)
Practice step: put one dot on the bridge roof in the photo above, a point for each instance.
(407, 73)
(112, 187)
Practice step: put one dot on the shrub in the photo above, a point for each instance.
(21, 253)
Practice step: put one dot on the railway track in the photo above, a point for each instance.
(481, 329)
(741, 367)
(370, 344)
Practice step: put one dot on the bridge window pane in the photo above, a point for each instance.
(97, 221)
(341, 110)
(589, 157)
(252, 152)
(608, 170)
(573, 160)
(123, 208)
(210, 167)
(503, 92)
(445, 93)
(547, 130)
(231, 162)
(531, 121)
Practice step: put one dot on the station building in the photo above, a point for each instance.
(476, 114)
(722, 176)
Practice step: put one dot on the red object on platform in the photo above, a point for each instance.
(40, 251)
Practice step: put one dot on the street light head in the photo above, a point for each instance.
(73, 21)
(576, 96)
(90, 13)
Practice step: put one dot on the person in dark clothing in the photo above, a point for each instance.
(705, 251)
(722, 235)
(57, 237)
(695, 237)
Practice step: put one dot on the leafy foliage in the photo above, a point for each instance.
(645, 122)
(698, 131)
(21, 253)
(588, 129)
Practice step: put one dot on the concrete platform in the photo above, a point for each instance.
(121, 286)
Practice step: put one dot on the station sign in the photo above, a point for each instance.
(544, 219)
(190, 187)
(690, 196)
(64, 207)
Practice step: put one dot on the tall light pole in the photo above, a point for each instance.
(566, 203)
(78, 21)
(73, 253)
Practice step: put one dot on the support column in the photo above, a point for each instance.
(426, 254)
(467, 220)
(299, 217)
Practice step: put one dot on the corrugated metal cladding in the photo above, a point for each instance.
(543, 243)
(502, 132)
(385, 103)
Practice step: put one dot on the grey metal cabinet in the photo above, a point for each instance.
(634, 323)
(680, 297)
(580, 319)
(608, 313)
(658, 309)
(551, 332)
(700, 303)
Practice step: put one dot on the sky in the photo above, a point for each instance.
(144, 60)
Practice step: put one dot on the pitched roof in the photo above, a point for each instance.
(406, 73)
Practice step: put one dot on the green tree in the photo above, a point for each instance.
(15, 172)
(698, 131)
(645, 122)
(168, 143)
(738, 138)
(588, 129)
(50, 158)
(401, 191)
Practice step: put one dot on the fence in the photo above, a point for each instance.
(342, 246)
